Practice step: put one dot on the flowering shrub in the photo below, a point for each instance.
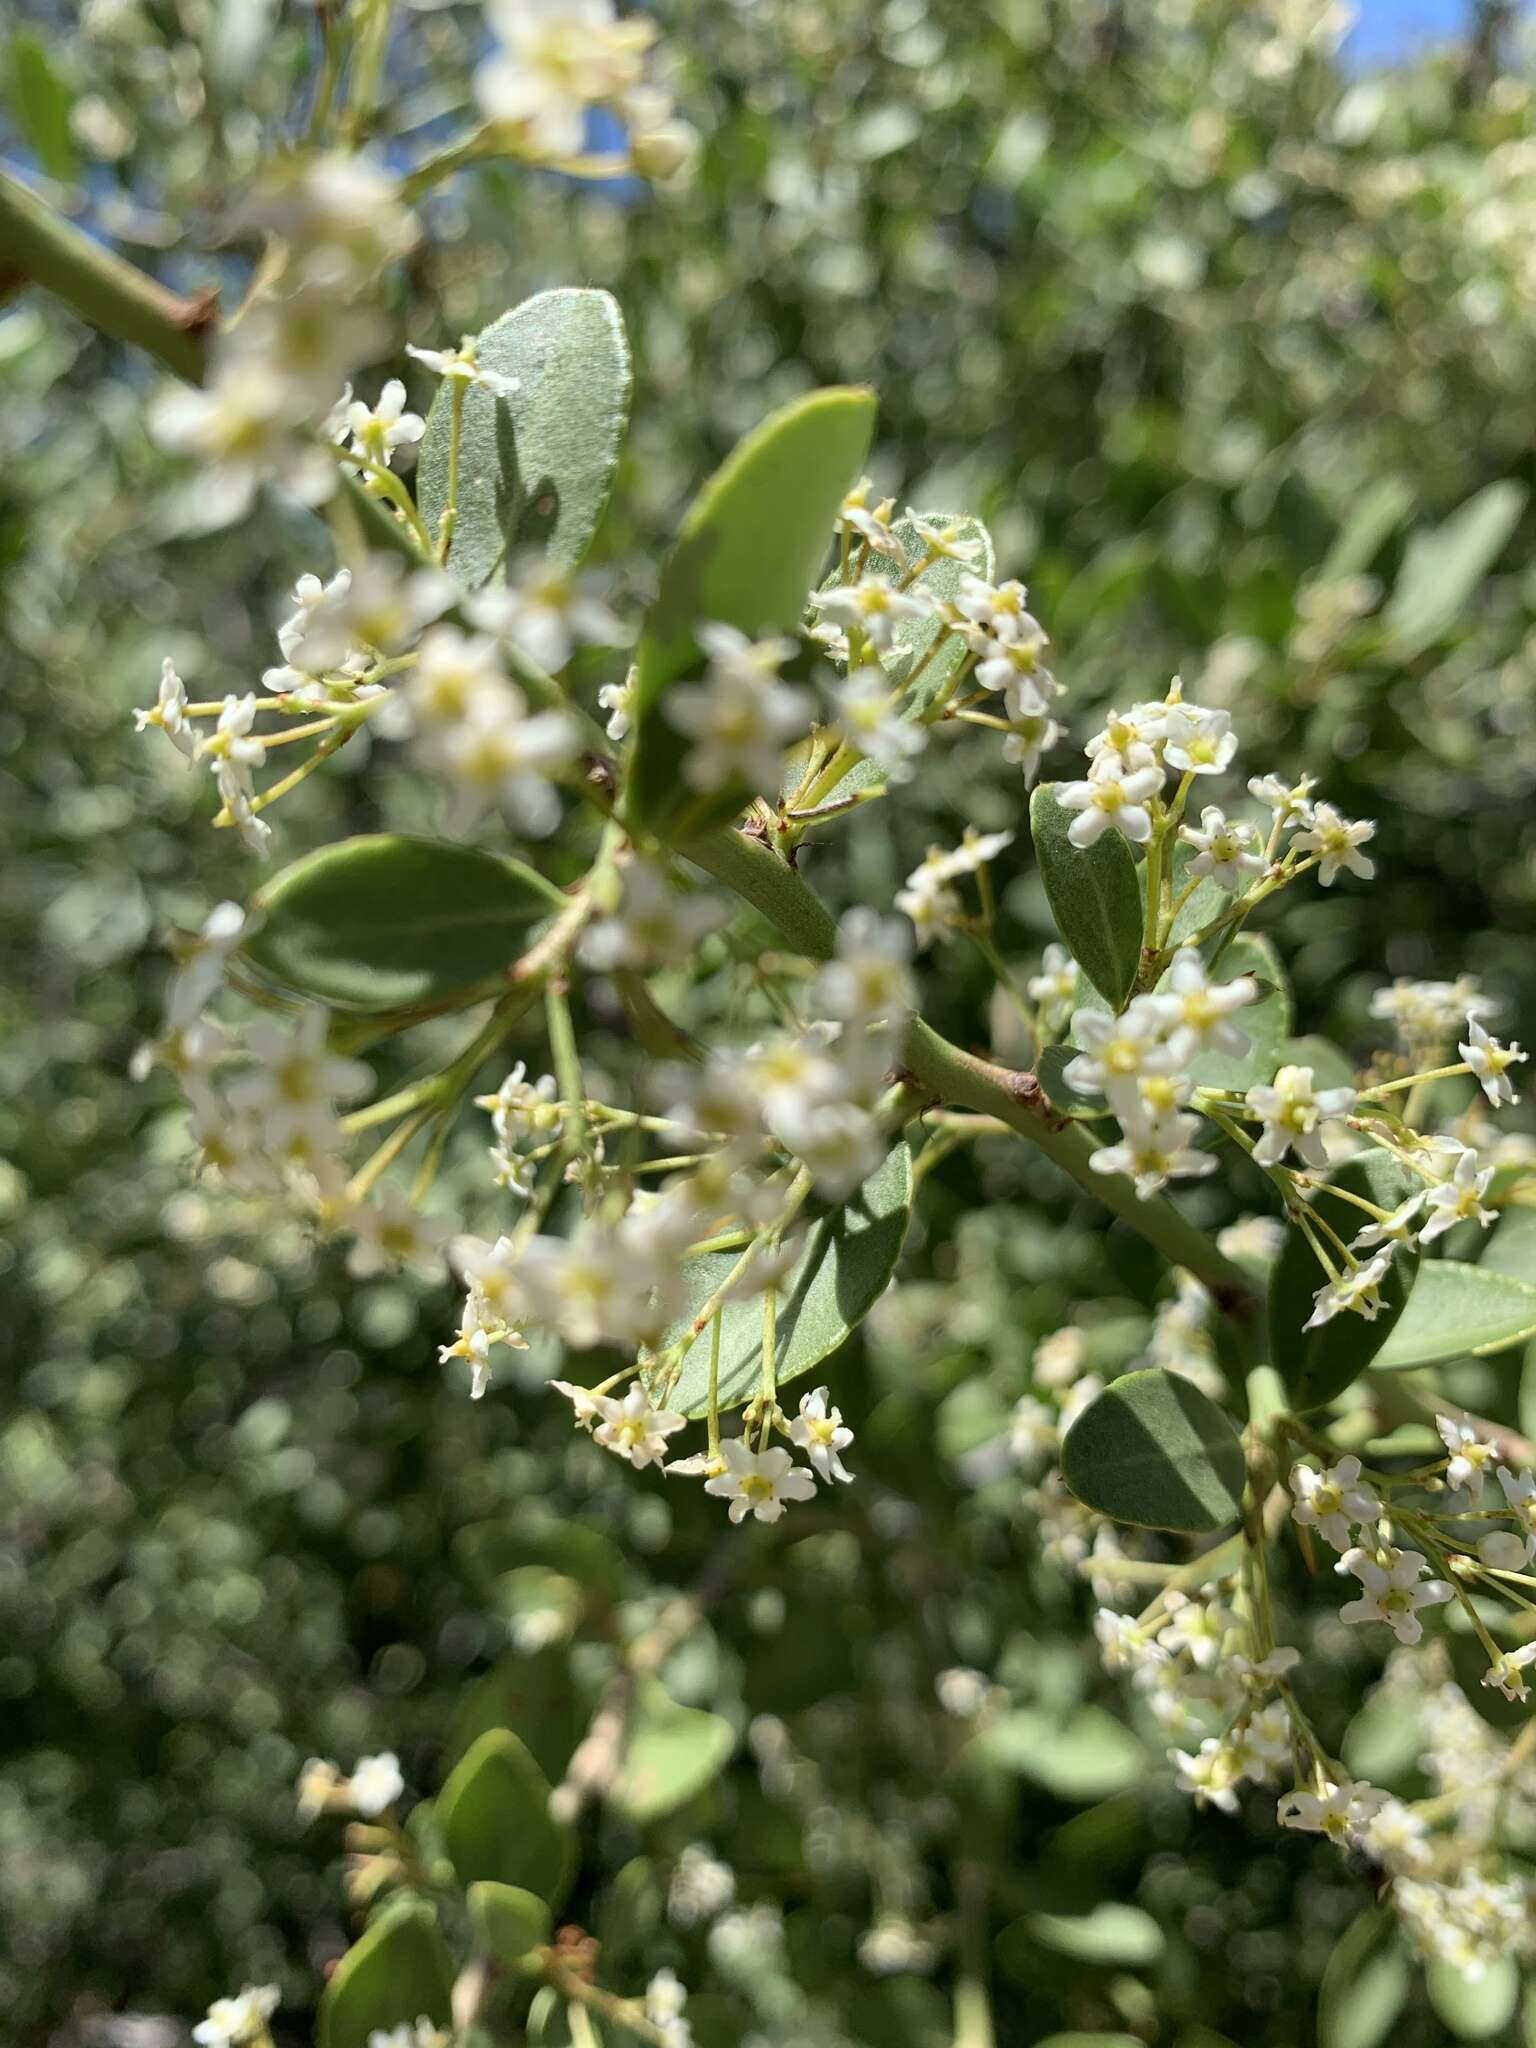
(716, 1217)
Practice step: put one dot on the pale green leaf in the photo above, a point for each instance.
(1088, 1757)
(747, 556)
(1365, 1984)
(40, 101)
(1457, 1312)
(1442, 568)
(1155, 1451)
(670, 1754)
(850, 1252)
(508, 1920)
(1511, 1246)
(384, 922)
(536, 469)
(399, 1971)
(1474, 2008)
(1111, 1933)
(1095, 896)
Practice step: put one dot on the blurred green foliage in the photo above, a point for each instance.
(1221, 341)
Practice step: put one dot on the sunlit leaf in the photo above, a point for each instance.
(1443, 568)
(670, 1754)
(1459, 1312)
(496, 1824)
(1155, 1451)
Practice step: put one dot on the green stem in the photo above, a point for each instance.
(40, 246)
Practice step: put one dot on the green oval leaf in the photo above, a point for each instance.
(1318, 1364)
(509, 1921)
(1443, 567)
(669, 1755)
(1365, 1984)
(496, 1823)
(1095, 897)
(1459, 1312)
(747, 556)
(1110, 1933)
(398, 1972)
(1154, 1450)
(1511, 1245)
(385, 922)
(1090, 1757)
(536, 469)
(1474, 2008)
(850, 1253)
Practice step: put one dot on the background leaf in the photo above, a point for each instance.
(1318, 1364)
(670, 1754)
(1087, 1757)
(1365, 1984)
(1155, 1451)
(748, 556)
(40, 100)
(1443, 568)
(1457, 1312)
(397, 1971)
(508, 1920)
(1474, 2008)
(850, 1253)
(385, 922)
(1095, 896)
(496, 1823)
(535, 470)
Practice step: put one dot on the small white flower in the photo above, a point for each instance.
(1198, 742)
(1152, 1153)
(1028, 740)
(1338, 841)
(375, 1784)
(1125, 1644)
(871, 523)
(1015, 668)
(1489, 1060)
(1458, 1199)
(821, 1433)
(875, 607)
(1107, 800)
(547, 612)
(633, 1429)
(1002, 608)
(169, 712)
(1333, 1501)
(1357, 1291)
(665, 1999)
(1118, 1052)
(1394, 1229)
(585, 1405)
(1128, 739)
(949, 541)
(1469, 1455)
(202, 964)
(235, 2022)
(1338, 1811)
(758, 1483)
(1519, 1490)
(1394, 1590)
(869, 716)
(1211, 1776)
(1252, 1240)
(1290, 802)
(1291, 1109)
(387, 1232)
(553, 59)
(462, 365)
(654, 926)
(1055, 987)
(1199, 1626)
(618, 700)
(1196, 1012)
(1224, 849)
(377, 431)
(741, 716)
(499, 758)
(1508, 1674)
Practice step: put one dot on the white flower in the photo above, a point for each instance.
(1458, 1199)
(318, 1788)
(376, 431)
(759, 1482)
(1338, 1811)
(1508, 1674)
(382, 607)
(1225, 849)
(1196, 1012)
(1002, 608)
(547, 612)
(1118, 1051)
(1028, 739)
(555, 58)
(869, 716)
(462, 365)
(1199, 1626)
(665, 1998)
(1128, 740)
(1059, 1358)
(1198, 742)
(821, 1433)
(1397, 1836)
(1154, 1152)
(1489, 1060)
(1253, 1240)
(1125, 1644)
(169, 712)
(741, 716)
(1519, 1489)
(702, 1886)
(633, 1429)
(871, 523)
(875, 607)
(1394, 1590)
(1054, 988)
(1033, 1433)
(974, 852)
(1291, 1109)
(1333, 1501)
(1111, 799)
(868, 980)
(457, 674)
(1337, 840)
(1394, 1229)
(1211, 1776)
(521, 1108)
(421, 2034)
(499, 757)
(339, 214)
(1014, 667)
(1290, 802)
(375, 1784)
(654, 926)
(387, 1232)
(586, 1406)
(949, 541)
(618, 700)
(202, 964)
(235, 2022)
(296, 1078)
(242, 429)
(1357, 1291)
